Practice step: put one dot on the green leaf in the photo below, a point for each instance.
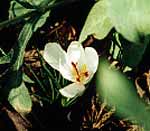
(17, 9)
(18, 102)
(6, 58)
(132, 54)
(18, 95)
(127, 53)
(26, 33)
(20, 99)
(41, 20)
(15, 77)
(43, 17)
(27, 79)
(97, 22)
(33, 2)
(115, 48)
(130, 17)
(23, 39)
(66, 102)
(15, 85)
(118, 91)
(25, 4)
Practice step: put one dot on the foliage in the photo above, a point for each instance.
(129, 42)
(125, 16)
(34, 19)
(130, 18)
(121, 94)
(97, 23)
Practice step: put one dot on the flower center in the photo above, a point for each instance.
(79, 74)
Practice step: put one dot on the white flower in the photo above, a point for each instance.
(77, 65)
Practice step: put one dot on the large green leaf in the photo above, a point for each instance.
(132, 54)
(130, 17)
(119, 92)
(20, 99)
(97, 22)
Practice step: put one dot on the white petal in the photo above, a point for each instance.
(75, 52)
(65, 71)
(91, 60)
(54, 55)
(72, 90)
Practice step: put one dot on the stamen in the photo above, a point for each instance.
(78, 79)
(86, 74)
(76, 70)
(81, 74)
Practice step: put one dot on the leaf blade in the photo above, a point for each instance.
(120, 92)
(20, 99)
(130, 18)
(97, 22)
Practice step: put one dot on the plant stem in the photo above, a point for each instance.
(16, 19)
(37, 79)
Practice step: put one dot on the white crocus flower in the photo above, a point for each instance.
(77, 65)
